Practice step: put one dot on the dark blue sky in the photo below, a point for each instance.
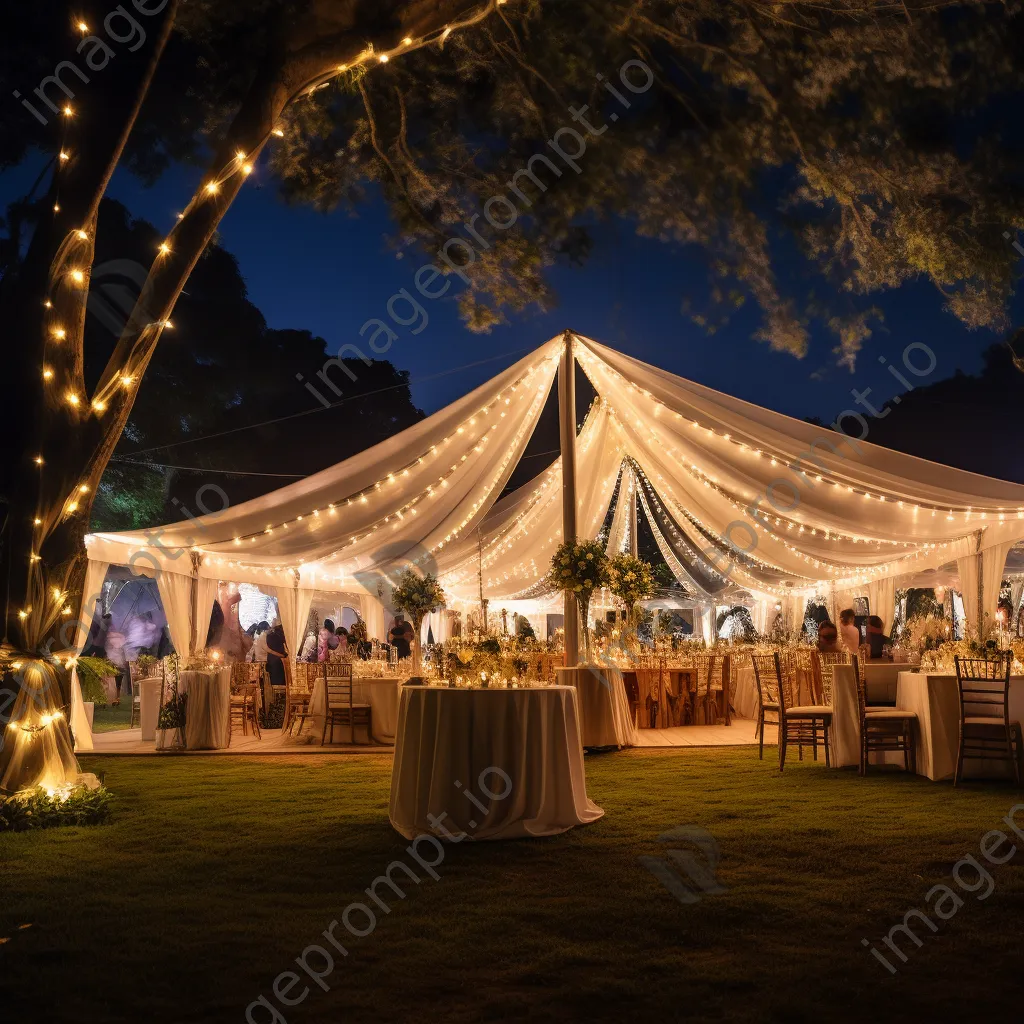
(331, 273)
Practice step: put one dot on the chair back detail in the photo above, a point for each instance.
(826, 667)
(984, 685)
(768, 676)
(338, 678)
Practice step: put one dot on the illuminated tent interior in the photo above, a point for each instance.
(744, 503)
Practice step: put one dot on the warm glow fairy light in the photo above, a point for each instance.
(59, 333)
(47, 373)
(164, 248)
(82, 236)
(77, 276)
(64, 156)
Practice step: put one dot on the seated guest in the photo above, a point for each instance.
(828, 638)
(848, 630)
(876, 636)
(326, 641)
(342, 634)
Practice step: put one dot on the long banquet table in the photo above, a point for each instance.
(604, 707)
(492, 764)
(936, 700)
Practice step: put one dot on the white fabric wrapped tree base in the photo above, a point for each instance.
(456, 748)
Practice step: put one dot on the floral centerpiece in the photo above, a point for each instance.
(417, 596)
(579, 569)
(631, 580)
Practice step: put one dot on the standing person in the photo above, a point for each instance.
(326, 641)
(96, 645)
(278, 667)
(848, 631)
(342, 634)
(258, 651)
(399, 639)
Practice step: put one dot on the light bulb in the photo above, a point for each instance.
(38, 521)
(126, 381)
(38, 460)
(47, 374)
(82, 27)
(48, 304)
(84, 489)
(73, 506)
(56, 207)
(65, 156)
(247, 168)
(164, 248)
(77, 276)
(212, 188)
(278, 133)
(72, 398)
(407, 41)
(68, 112)
(384, 58)
(82, 235)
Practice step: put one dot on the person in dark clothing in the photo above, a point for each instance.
(277, 652)
(400, 637)
(96, 645)
(876, 636)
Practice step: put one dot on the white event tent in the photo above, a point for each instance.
(742, 501)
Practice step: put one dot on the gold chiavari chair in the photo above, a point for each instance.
(768, 677)
(826, 664)
(704, 670)
(340, 708)
(244, 709)
(986, 732)
(883, 728)
(800, 724)
(298, 691)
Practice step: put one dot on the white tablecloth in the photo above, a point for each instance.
(381, 694)
(936, 700)
(744, 691)
(454, 744)
(149, 707)
(208, 712)
(604, 706)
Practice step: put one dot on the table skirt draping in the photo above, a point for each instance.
(381, 694)
(604, 707)
(149, 706)
(208, 711)
(453, 744)
(844, 735)
(744, 692)
(936, 701)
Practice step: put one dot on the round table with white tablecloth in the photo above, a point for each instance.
(381, 693)
(935, 698)
(492, 764)
(603, 704)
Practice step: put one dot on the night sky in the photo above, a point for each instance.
(330, 273)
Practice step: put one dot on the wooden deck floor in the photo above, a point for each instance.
(129, 741)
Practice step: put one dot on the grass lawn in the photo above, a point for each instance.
(218, 871)
(112, 717)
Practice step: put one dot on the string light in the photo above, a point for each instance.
(126, 380)
(77, 276)
(64, 156)
(383, 58)
(164, 248)
(59, 333)
(278, 133)
(213, 188)
(82, 235)
(72, 398)
(82, 27)
(38, 460)
(68, 112)
(47, 373)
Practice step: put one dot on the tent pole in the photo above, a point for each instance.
(633, 549)
(567, 425)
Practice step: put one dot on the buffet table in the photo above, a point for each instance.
(381, 693)
(492, 764)
(604, 708)
(936, 700)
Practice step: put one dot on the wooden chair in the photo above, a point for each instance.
(768, 677)
(986, 732)
(826, 664)
(298, 693)
(803, 724)
(244, 709)
(883, 729)
(136, 704)
(704, 670)
(340, 708)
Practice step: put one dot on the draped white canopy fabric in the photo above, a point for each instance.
(770, 504)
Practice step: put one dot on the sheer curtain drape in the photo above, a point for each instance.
(293, 606)
(92, 593)
(176, 597)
